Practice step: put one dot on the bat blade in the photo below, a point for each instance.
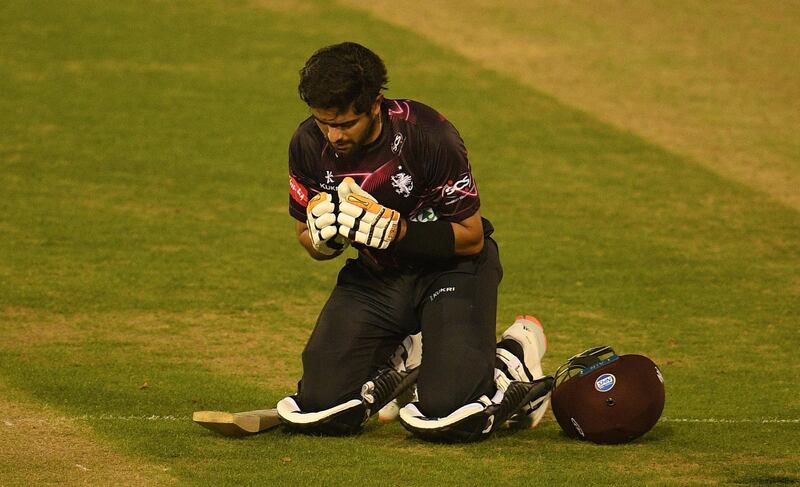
(237, 424)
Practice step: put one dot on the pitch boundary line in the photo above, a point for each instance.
(10, 422)
(732, 421)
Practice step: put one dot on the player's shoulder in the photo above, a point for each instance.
(427, 126)
(414, 113)
(425, 123)
(306, 136)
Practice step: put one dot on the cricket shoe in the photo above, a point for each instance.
(391, 411)
(407, 357)
(520, 353)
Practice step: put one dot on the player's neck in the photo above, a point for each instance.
(376, 129)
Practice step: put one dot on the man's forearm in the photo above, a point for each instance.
(467, 241)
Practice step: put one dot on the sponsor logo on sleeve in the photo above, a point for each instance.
(298, 191)
(455, 191)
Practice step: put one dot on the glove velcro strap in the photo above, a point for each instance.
(427, 241)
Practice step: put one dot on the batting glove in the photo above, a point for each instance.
(362, 219)
(349, 186)
(321, 222)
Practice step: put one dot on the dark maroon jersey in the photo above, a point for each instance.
(417, 166)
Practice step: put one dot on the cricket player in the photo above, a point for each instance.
(392, 179)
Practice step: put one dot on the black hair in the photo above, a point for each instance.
(337, 76)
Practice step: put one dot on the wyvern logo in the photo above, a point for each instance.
(403, 184)
(442, 290)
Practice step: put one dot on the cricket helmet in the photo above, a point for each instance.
(608, 398)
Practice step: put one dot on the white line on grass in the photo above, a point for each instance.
(96, 417)
(735, 421)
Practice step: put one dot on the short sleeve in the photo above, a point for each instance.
(453, 190)
(300, 185)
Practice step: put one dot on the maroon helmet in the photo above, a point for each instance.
(606, 398)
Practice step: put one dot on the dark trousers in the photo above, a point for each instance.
(370, 312)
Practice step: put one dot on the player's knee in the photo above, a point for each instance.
(315, 394)
(342, 419)
(322, 387)
(439, 398)
(438, 405)
(468, 423)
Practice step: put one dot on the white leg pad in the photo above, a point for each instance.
(412, 416)
(290, 412)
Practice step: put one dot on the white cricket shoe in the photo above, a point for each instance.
(391, 411)
(406, 358)
(529, 334)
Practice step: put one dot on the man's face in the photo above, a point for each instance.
(347, 131)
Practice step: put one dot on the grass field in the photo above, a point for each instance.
(148, 266)
(711, 80)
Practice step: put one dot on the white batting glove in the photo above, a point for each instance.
(349, 186)
(362, 219)
(321, 222)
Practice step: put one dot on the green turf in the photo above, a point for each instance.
(143, 155)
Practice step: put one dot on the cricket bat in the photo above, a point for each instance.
(237, 424)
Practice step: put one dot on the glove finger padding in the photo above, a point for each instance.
(324, 221)
(321, 205)
(366, 221)
(321, 222)
(349, 186)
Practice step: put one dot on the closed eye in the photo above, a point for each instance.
(341, 125)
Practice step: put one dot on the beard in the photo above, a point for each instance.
(355, 147)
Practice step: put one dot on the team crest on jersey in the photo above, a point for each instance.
(402, 184)
(397, 143)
